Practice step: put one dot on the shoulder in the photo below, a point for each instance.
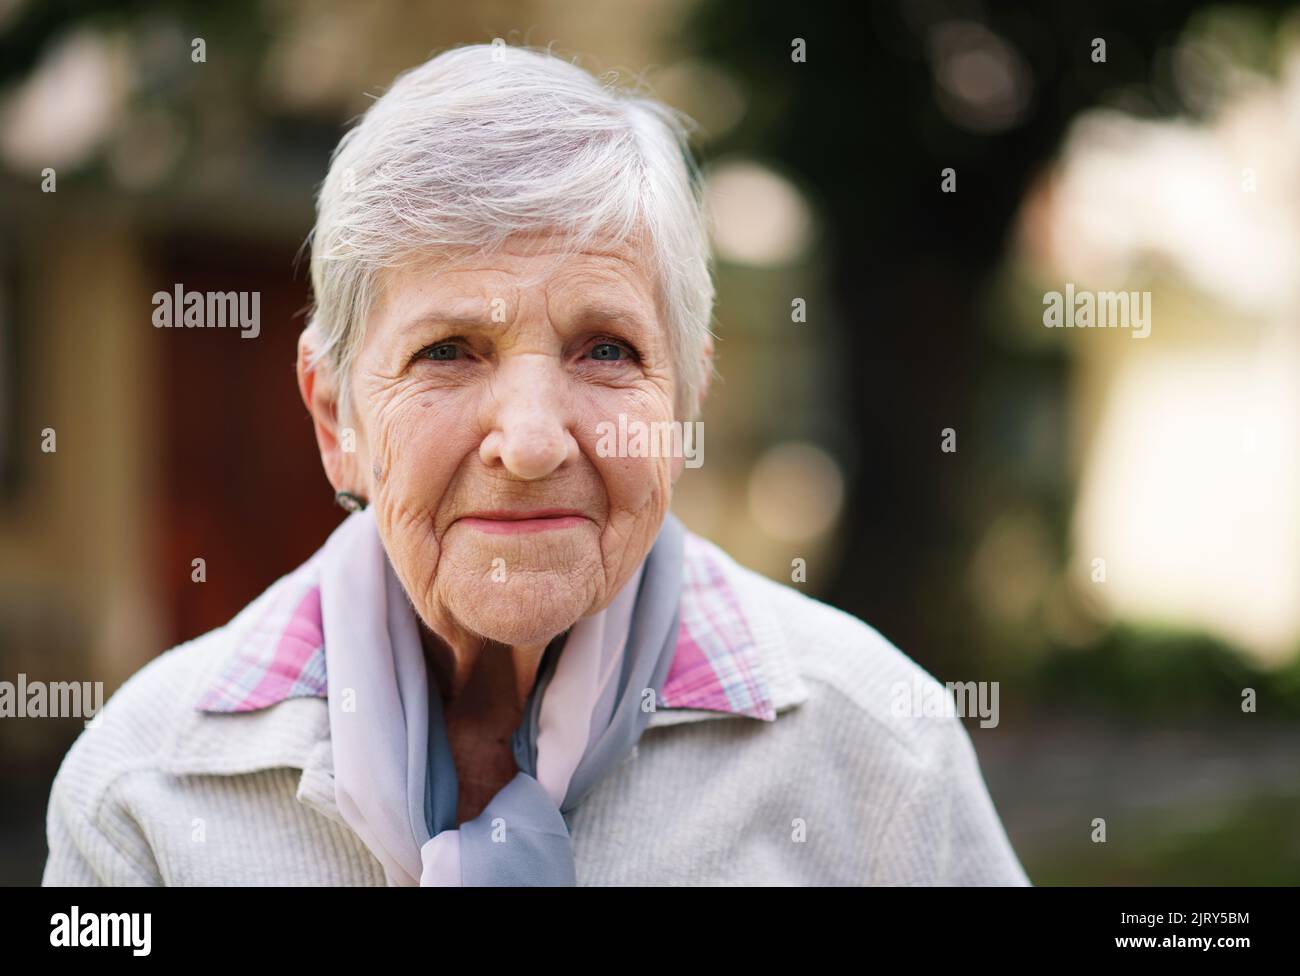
(864, 743)
(141, 722)
(93, 836)
(137, 722)
(128, 776)
(854, 675)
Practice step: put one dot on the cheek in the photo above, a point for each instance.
(421, 439)
(637, 485)
(633, 483)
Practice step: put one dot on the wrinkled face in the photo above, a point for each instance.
(477, 393)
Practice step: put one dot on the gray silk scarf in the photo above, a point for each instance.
(395, 781)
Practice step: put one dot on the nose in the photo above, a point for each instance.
(529, 431)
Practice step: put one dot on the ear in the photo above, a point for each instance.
(707, 373)
(338, 445)
(678, 462)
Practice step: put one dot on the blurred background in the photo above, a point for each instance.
(1115, 539)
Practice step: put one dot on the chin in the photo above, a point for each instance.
(520, 589)
(525, 609)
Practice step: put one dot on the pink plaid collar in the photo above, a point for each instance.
(716, 666)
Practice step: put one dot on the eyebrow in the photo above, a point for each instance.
(586, 315)
(441, 317)
(615, 312)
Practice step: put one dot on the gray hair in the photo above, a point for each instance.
(484, 141)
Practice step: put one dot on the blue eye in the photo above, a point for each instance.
(442, 352)
(607, 351)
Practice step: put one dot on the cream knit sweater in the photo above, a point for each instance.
(835, 791)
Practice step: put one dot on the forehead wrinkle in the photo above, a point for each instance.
(468, 308)
(604, 288)
(461, 320)
(616, 296)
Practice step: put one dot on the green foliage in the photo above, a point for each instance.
(1151, 672)
(1254, 842)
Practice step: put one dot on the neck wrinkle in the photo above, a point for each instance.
(493, 679)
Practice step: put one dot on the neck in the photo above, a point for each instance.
(482, 677)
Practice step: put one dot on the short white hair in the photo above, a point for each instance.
(485, 141)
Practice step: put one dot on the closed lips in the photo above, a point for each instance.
(536, 520)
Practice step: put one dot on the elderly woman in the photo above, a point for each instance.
(511, 664)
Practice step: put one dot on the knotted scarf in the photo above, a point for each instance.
(395, 780)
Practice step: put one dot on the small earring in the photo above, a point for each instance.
(349, 501)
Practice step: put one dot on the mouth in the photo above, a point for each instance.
(519, 522)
